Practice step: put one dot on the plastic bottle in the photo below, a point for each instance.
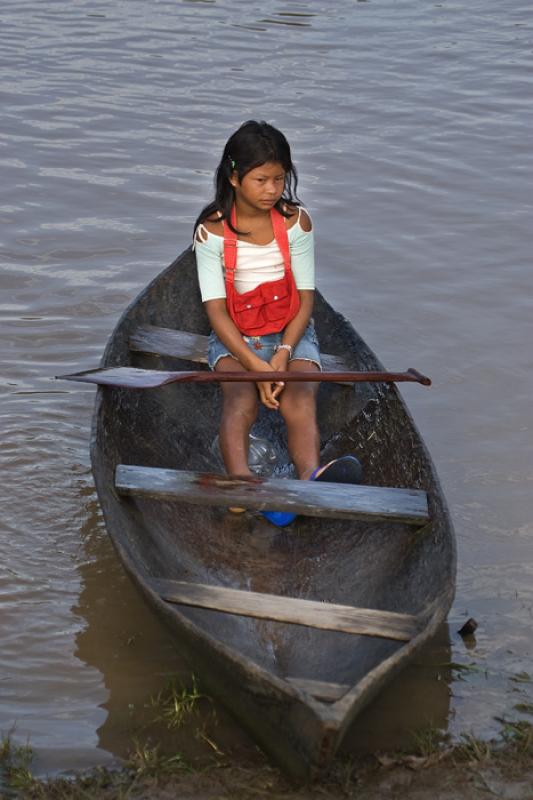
(261, 456)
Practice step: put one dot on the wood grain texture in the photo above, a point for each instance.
(296, 611)
(169, 342)
(310, 498)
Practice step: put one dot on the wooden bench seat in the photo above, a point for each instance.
(193, 346)
(293, 610)
(321, 690)
(310, 498)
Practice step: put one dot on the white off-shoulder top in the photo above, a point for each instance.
(256, 263)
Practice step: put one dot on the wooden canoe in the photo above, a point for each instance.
(295, 630)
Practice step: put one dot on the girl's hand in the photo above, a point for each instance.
(279, 363)
(269, 391)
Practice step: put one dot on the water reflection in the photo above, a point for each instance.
(418, 699)
(137, 658)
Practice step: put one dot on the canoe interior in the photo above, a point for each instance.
(392, 567)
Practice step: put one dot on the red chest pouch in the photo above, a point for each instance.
(270, 306)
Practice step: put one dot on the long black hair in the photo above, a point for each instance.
(253, 144)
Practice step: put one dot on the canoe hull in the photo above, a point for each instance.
(395, 567)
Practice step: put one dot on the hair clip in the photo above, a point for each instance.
(232, 162)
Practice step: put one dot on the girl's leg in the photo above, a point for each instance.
(298, 407)
(239, 410)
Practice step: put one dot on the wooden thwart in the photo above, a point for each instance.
(311, 613)
(321, 690)
(310, 498)
(169, 342)
(193, 346)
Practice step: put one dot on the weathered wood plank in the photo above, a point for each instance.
(170, 342)
(310, 498)
(296, 611)
(321, 690)
(193, 346)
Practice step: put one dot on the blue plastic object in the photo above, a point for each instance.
(279, 518)
(346, 469)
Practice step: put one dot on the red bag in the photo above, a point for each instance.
(270, 306)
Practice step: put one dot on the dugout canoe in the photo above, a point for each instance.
(294, 630)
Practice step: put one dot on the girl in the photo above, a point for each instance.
(255, 256)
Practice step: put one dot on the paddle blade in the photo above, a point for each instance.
(124, 377)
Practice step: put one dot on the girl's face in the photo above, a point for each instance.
(261, 188)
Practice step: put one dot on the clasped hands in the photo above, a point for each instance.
(268, 391)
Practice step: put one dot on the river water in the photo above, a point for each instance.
(410, 124)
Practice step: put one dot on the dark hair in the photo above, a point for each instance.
(253, 144)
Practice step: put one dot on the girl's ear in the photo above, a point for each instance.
(234, 178)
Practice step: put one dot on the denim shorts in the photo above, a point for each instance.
(307, 348)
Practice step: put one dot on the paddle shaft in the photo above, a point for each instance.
(315, 377)
(133, 378)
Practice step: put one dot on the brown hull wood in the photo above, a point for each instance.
(295, 688)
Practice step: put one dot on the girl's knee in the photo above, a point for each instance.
(240, 405)
(298, 405)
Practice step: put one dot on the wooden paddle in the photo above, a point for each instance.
(133, 378)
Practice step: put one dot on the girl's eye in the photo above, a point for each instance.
(278, 179)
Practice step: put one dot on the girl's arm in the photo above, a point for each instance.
(303, 267)
(229, 335)
(295, 329)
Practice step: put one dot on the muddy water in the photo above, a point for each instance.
(410, 124)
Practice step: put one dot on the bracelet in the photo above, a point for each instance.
(284, 347)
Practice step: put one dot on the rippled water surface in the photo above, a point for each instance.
(411, 127)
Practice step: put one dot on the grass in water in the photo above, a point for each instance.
(148, 762)
(15, 761)
(518, 734)
(145, 763)
(428, 741)
(524, 708)
(521, 677)
(175, 703)
(472, 749)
